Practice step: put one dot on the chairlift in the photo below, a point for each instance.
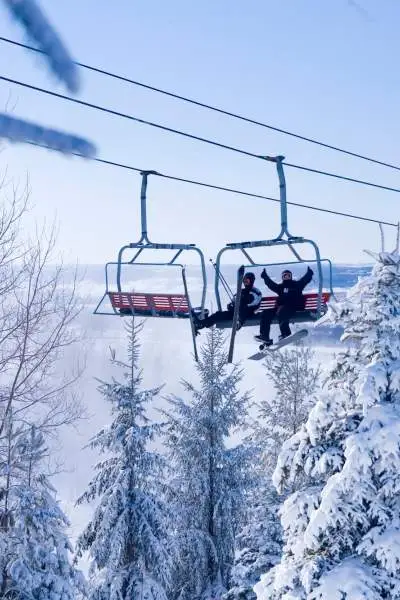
(124, 302)
(315, 303)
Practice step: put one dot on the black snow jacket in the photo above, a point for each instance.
(290, 293)
(250, 300)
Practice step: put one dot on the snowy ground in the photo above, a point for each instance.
(166, 358)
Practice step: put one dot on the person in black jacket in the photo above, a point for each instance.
(290, 300)
(250, 300)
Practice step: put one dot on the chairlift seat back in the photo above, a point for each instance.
(309, 314)
(152, 305)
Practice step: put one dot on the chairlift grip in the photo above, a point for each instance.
(143, 206)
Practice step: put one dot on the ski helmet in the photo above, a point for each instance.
(250, 276)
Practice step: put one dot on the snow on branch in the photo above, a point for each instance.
(29, 14)
(31, 17)
(19, 130)
(341, 528)
(351, 579)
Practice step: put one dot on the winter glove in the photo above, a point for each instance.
(310, 271)
(264, 274)
(230, 306)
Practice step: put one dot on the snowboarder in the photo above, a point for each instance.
(290, 299)
(250, 300)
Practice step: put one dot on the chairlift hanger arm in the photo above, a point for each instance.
(143, 205)
(247, 255)
(173, 259)
(280, 240)
(138, 253)
(144, 240)
(144, 243)
(278, 160)
(296, 254)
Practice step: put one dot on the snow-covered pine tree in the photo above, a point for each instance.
(208, 478)
(259, 542)
(342, 527)
(35, 549)
(128, 537)
(295, 379)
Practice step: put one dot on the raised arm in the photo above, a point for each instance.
(305, 280)
(269, 282)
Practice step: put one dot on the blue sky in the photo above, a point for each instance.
(323, 69)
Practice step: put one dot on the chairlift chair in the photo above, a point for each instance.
(310, 312)
(125, 302)
(315, 303)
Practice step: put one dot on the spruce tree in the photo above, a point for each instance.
(295, 379)
(209, 479)
(341, 526)
(35, 550)
(127, 539)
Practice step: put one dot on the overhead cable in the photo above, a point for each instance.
(191, 136)
(236, 191)
(212, 108)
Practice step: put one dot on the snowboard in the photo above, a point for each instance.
(298, 335)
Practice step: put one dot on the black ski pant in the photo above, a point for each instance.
(225, 315)
(284, 314)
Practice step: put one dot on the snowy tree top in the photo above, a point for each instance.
(342, 525)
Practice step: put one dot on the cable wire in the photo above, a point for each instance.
(190, 135)
(212, 108)
(231, 190)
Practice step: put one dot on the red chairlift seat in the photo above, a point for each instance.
(153, 305)
(311, 302)
(302, 316)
